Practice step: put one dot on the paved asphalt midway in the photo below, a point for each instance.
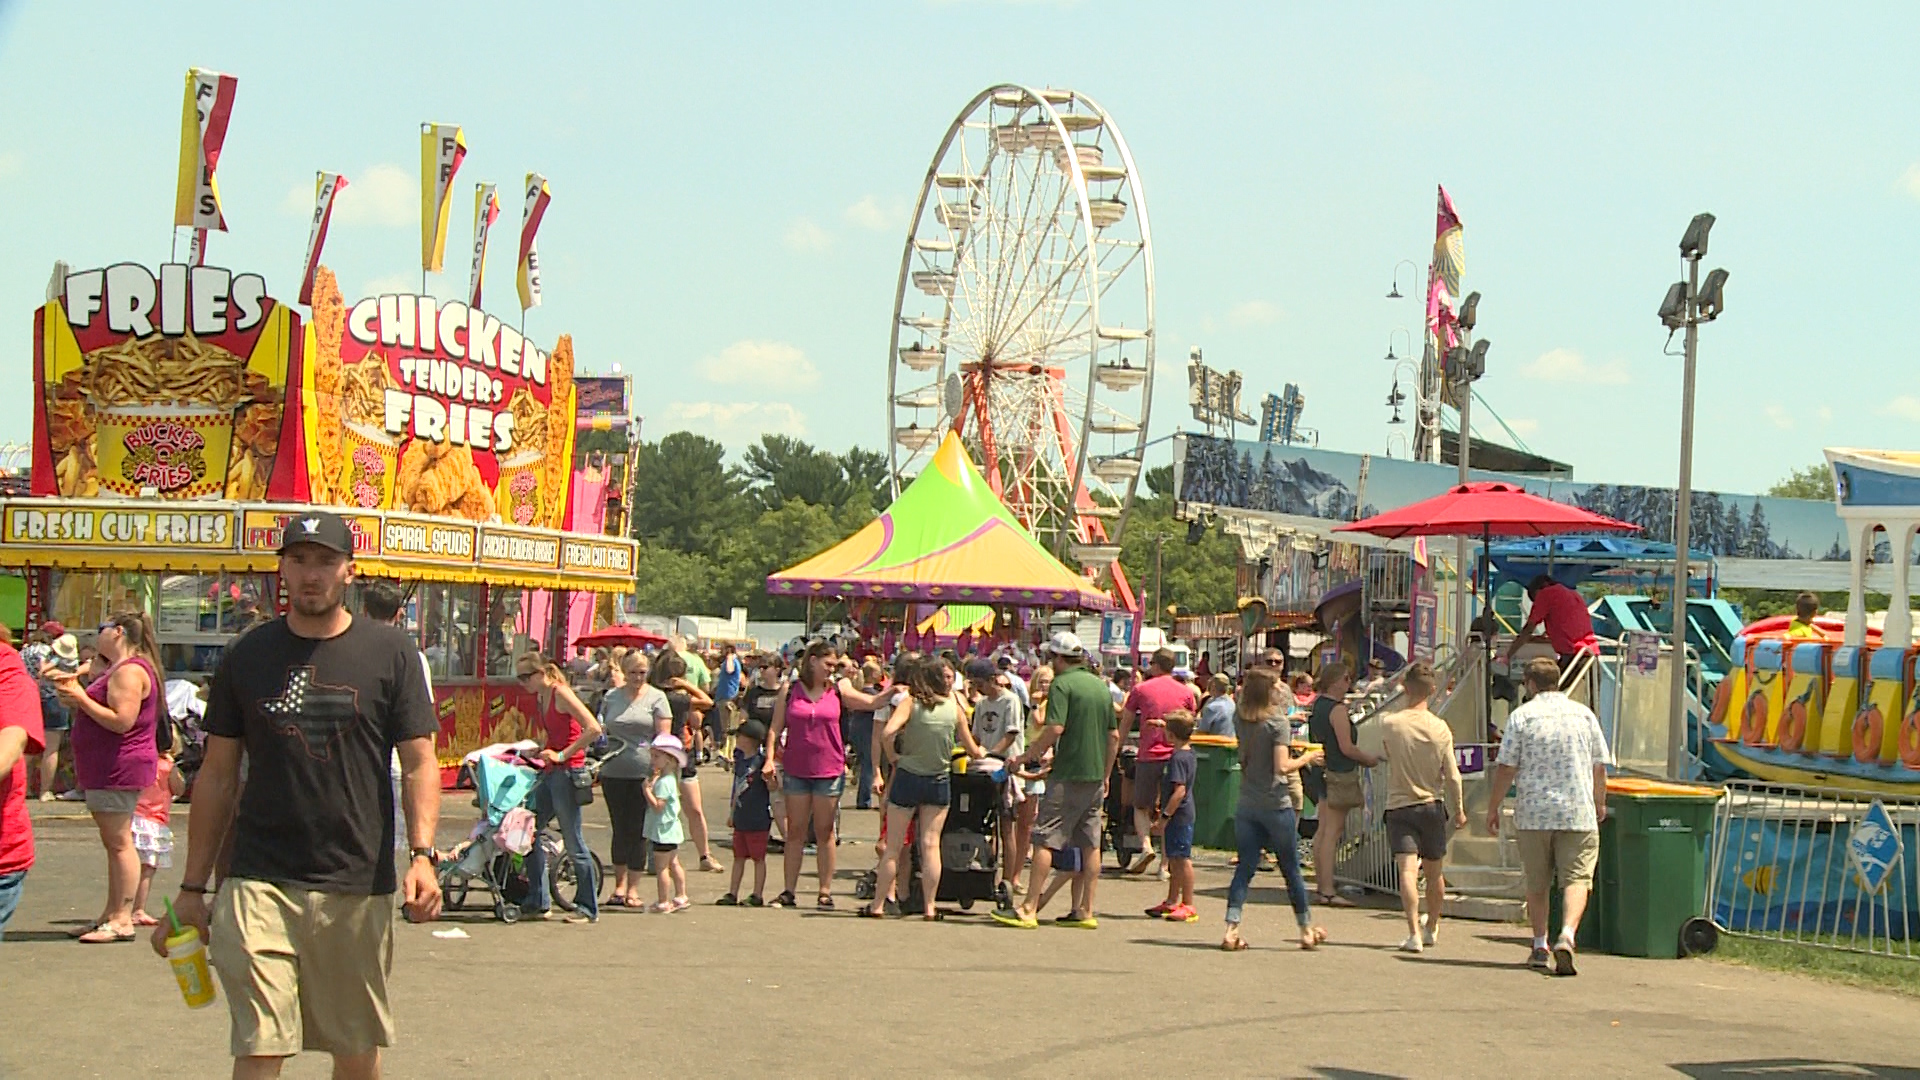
(731, 992)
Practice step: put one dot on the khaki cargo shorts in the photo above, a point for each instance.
(1547, 854)
(303, 970)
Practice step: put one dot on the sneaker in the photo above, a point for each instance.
(754, 901)
(1430, 936)
(728, 900)
(1017, 920)
(580, 918)
(1412, 945)
(46, 796)
(1182, 913)
(1075, 922)
(1540, 959)
(1563, 957)
(1159, 910)
(72, 795)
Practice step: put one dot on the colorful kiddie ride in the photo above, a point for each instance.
(1841, 709)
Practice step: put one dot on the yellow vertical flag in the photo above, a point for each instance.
(203, 131)
(442, 148)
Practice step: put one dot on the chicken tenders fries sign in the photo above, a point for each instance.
(436, 407)
(168, 385)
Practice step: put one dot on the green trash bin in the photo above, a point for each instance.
(1216, 790)
(1652, 873)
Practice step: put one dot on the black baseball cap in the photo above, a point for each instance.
(980, 667)
(320, 527)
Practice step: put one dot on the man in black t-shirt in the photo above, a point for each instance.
(317, 700)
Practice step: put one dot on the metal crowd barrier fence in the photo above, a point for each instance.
(1815, 866)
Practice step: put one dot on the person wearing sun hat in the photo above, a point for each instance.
(1080, 730)
(664, 828)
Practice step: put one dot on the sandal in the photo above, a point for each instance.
(938, 916)
(869, 913)
(79, 932)
(141, 918)
(105, 935)
(1335, 900)
(825, 903)
(1313, 939)
(711, 865)
(1234, 944)
(785, 899)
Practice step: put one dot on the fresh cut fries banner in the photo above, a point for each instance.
(191, 383)
(413, 403)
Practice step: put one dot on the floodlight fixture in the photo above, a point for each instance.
(1477, 359)
(1673, 310)
(1469, 311)
(1712, 299)
(1693, 245)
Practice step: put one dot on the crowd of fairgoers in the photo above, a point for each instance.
(797, 726)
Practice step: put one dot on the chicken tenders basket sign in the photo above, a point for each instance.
(431, 406)
(168, 385)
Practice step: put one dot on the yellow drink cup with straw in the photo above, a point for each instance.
(187, 955)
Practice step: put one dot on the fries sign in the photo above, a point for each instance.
(168, 385)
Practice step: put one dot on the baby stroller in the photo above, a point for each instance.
(969, 845)
(491, 857)
(1121, 836)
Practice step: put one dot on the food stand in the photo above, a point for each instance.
(183, 418)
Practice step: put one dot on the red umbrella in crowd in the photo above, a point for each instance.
(621, 634)
(1486, 509)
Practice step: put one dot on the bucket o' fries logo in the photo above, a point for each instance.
(164, 456)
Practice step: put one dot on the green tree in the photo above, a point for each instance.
(777, 538)
(670, 582)
(779, 468)
(868, 471)
(685, 497)
(1196, 578)
(1812, 482)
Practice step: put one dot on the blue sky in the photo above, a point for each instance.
(731, 185)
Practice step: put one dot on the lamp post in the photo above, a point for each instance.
(1394, 293)
(1465, 366)
(1687, 305)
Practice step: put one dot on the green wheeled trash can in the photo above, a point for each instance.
(1652, 876)
(1216, 790)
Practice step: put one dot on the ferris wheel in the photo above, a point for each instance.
(1023, 316)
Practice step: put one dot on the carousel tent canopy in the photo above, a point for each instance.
(947, 538)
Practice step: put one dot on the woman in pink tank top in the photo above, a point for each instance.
(812, 760)
(115, 757)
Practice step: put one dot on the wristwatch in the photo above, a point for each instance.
(432, 855)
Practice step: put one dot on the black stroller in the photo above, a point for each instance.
(969, 848)
(1121, 837)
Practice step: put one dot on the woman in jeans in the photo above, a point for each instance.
(570, 729)
(686, 701)
(635, 714)
(927, 723)
(1265, 819)
(813, 763)
(115, 757)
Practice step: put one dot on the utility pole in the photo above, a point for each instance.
(1464, 365)
(1159, 541)
(1687, 306)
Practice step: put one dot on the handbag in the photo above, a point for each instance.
(1313, 780)
(582, 785)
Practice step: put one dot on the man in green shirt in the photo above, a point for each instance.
(697, 671)
(1080, 730)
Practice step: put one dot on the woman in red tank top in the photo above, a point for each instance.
(570, 729)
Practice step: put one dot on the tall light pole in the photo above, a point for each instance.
(1464, 365)
(1687, 305)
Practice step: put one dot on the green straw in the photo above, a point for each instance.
(171, 917)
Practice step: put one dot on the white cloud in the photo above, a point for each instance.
(10, 164)
(731, 424)
(804, 235)
(1253, 313)
(1824, 413)
(1778, 416)
(869, 214)
(383, 195)
(1909, 181)
(766, 364)
(1903, 406)
(1568, 366)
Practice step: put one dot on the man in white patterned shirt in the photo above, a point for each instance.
(1554, 748)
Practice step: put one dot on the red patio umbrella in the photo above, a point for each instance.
(621, 634)
(1486, 509)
